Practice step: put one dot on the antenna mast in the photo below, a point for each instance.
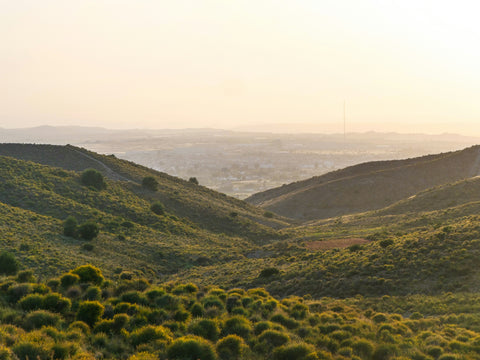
(344, 122)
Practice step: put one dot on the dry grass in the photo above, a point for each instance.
(334, 243)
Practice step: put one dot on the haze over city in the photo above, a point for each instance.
(409, 66)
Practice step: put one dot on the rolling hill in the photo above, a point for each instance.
(367, 186)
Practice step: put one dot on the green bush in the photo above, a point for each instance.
(94, 178)
(237, 325)
(269, 272)
(69, 279)
(90, 312)
(88, 230)
(150, 333)
(384, 352)
(89, 274)
(30, 351)
(26, 276)
(206, 328)
(191, 348)
(40, 318)
(294, 352)
(70, 226)
(150, 183)
(31, 302)
(56, 303)
(193, 180)
(274, 338)
(8, 264)
(231, 347)
(157, 208)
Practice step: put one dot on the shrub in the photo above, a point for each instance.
(149, 333)
(231, 347)
(31, 302)
(193, 180)
(89, 312)
(268, 214)
(88, 230)
(274, 338)
(363, 348)
(70, 226)
(157, 208)
(69, 279)
(40, 318)
(89, 273)
(56, 303)
(268, 272)
(8, 264)
(294, 352)
(26, 276)
(29, 351)
(237, 325)
(94, 178)
(150, 183)
(384, 352)
(386, 243)
(191, 348)
(205, 328)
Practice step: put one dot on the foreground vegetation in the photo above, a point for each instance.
(83, 316)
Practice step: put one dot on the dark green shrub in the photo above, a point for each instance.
(94, 178)
(206, 328)
(379, 318)
(30, 351)
(70, 226)
(40, 318)
(157, 208)
(191, 348)
(384, 352)
(31, 302)
(294, 352)
(268, 214)
(56, 303)
(261, 326)
(193, 180)
(274, 338)
(93, 293)
(150, 333)
(231, 347)
(287, 322)
(89, 274)
(150, 183)
(386, 243)
(8, 264)
(69, 279)
(197, 310)
(26, 276)
(90, 312)
(448, 357)
(237, 325)
(88, 230)
(268, 272)
(363, 348)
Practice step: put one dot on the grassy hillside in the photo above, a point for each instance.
(368, 186)
(36, 199)
(206, 208)
(83, 316)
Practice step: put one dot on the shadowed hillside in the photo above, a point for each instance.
(368, 186)
(208, 209)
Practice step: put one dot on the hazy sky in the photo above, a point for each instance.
(406, 65)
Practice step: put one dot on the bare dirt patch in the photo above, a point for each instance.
(334, 243)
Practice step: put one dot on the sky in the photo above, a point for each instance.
(405, 66)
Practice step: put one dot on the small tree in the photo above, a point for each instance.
(94, 178)
(193, 180)
(157, 208)
(70, 226)
(8, 264)
(150, 183)
(88, 230)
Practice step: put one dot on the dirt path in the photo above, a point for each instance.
(111, 174)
